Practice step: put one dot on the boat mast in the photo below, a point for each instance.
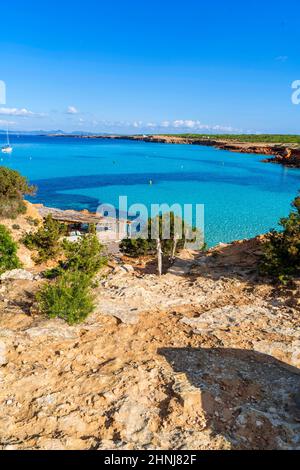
(7, 136)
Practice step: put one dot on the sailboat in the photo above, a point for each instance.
(7, 148)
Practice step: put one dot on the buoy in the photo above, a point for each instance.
(150, 182)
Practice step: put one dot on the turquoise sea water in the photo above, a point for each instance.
(243, 197)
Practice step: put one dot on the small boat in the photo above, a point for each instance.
(7, 148)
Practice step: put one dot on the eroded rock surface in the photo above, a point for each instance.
(205, 357)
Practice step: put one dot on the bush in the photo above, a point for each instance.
(281, 259)
(13, 187)
(8, 251)
(136, 247)
(68, 298)
(84, 255)
(46, 240)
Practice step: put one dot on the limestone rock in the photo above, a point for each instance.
(17, 274)
(203, 357)
(3, 354)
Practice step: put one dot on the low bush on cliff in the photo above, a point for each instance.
(139, 246)
(8, 251)
(84, 255)
(69, 297)
(165, 235)
(13, 187)
(281, 258)
(46, 240)
(136, 247)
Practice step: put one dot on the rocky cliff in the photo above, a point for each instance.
(283, 154)
(205, 357)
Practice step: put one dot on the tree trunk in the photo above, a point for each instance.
(159, 256)
(175, 240)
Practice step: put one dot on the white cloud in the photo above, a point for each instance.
(72, 110)
(137, 124)
(192, 125)
(281, 58)
(23, 112)
(6, 123)
(177, 125)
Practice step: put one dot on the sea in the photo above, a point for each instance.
(241, 195)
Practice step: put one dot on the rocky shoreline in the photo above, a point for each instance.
(287, 155)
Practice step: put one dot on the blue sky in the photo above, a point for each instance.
(132, 67)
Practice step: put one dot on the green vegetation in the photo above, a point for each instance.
(46, 240)
(8, 251)
(136, 247)
(70, 296)
(147, 245)
(258, 138)
(13, 187)
(281, 258)
(85, 255)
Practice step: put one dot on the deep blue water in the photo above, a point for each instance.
(243, 197)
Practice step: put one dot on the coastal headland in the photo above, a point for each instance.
(284, 153)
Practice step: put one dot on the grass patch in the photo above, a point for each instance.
(256, 138)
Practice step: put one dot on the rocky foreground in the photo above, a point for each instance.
(205, 357)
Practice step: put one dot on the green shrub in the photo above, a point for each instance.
(69, 297)
(13, 187)
(8, 251)
(136, 247)
(46, 240)
(281, 259)
(52, 273)
(84, 255)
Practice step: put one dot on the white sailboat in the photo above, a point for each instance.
(7, 148)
